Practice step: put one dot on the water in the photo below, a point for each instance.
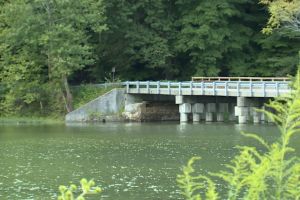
(129, 161)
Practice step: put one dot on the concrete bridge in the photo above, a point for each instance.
(204, 98)
(211, 98)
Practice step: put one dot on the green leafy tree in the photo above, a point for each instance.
(210, 31)
(44, 42)
(45, 45)
(284, 13)
(279, 53)
(139, 41)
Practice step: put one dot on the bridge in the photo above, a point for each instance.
(214, 98)
(203, 98)
(215, 88)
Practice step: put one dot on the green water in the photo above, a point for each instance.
(129, 161)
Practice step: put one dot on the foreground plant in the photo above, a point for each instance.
(87, 188)
(273, 173)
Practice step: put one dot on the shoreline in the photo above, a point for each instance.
(31, 120)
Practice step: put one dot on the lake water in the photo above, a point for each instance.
(130, 161)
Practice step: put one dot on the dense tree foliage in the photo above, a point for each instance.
(45, 44)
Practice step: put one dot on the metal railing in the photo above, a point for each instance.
(216, 88)
(261, 79)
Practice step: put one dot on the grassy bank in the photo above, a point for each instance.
(31, 120)
(85, 93)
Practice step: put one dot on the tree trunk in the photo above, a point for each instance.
(67, 95)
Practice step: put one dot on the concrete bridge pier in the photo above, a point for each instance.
(222, 109)
(210, 109)
(267, 118)
(256, 116)
(231, 114)
(197, 110)
(196, 117)
(185, 109)
(263, 116)
(242, 109)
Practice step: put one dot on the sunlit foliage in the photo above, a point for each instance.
(283, 13)
(86, 189)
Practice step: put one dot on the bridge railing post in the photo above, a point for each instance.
(277, 89)
(214, 88)
(226, 88)
(127, 86)
(238, 88)
(138, 86)
(169, 87)
(202, 88)
(179, 89)
(191, 87)
(158, 87)
(148, 87)
(264, 89)
(251, 89)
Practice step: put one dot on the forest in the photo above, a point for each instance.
(48, 46)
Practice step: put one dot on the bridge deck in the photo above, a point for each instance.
(215, 88)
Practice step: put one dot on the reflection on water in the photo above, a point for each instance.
(130, 161)
(181, 128)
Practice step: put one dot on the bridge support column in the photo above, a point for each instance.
(263, 116)
(184, 117)
(268, 119)
(242, 109)
(222, 109)
(231, 115)
(209, 112)
(220, 117)
(256, 115)
(179, 99)
(196, 117)
(197, 110)
(184, 110)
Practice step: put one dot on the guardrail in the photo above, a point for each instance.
(262, 79)
(216, 88)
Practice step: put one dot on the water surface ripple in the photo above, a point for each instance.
(129, 161)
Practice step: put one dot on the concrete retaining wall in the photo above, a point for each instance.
(107, 107)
